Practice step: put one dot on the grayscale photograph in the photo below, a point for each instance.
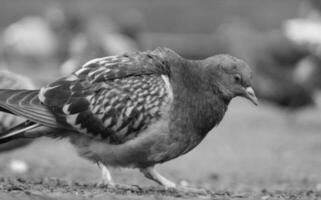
(160, 99)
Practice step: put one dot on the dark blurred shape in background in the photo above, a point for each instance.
(274, 58)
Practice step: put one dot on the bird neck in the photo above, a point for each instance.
(208, 112)
(195, 110)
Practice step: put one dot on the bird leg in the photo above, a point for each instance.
(106, 176)
(152, 174)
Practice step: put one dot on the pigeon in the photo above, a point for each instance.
(14, 81)
(132, 110)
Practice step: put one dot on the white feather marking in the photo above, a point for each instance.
(96, 71)
(65, 109)
(89, 97)
(107, 122)
(138, 121)
(21, 130)
(90, 62)
(42, 92)
(129, 110)
(71, 78)
(41, 96)
(168, 87)
(113, 100)
(100, 116)
(107, 70)
(139, 108)
(123, 131)
(111, 58)
(80, 70)
(107, 64)
(108, 108)
(139, 100)
(71, 119)
(95, 109)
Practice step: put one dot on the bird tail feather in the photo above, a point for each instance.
(18, 131)
(26, 103)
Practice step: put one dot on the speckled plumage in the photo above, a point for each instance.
(136, 109)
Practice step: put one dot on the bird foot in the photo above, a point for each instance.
(106, 180)
(168, 184)
(152, 174)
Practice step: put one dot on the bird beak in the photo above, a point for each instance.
(250, 95)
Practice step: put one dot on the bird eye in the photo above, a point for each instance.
(237, 78)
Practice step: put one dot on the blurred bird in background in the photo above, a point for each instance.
(66, 38)
(100, 37)
(132, 110)
(275, 57)
(30, 39)
(305, 31)
(37, 43)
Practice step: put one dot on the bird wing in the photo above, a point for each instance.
(113, 98)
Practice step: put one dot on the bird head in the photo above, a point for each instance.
(229, 76)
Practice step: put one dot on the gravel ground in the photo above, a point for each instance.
(49, 189)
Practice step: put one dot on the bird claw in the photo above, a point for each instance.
(169, 184)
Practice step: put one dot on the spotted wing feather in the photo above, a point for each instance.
(113, 98)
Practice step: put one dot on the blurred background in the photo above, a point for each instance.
(275, 145)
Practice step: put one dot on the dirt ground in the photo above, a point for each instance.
(255, 153)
